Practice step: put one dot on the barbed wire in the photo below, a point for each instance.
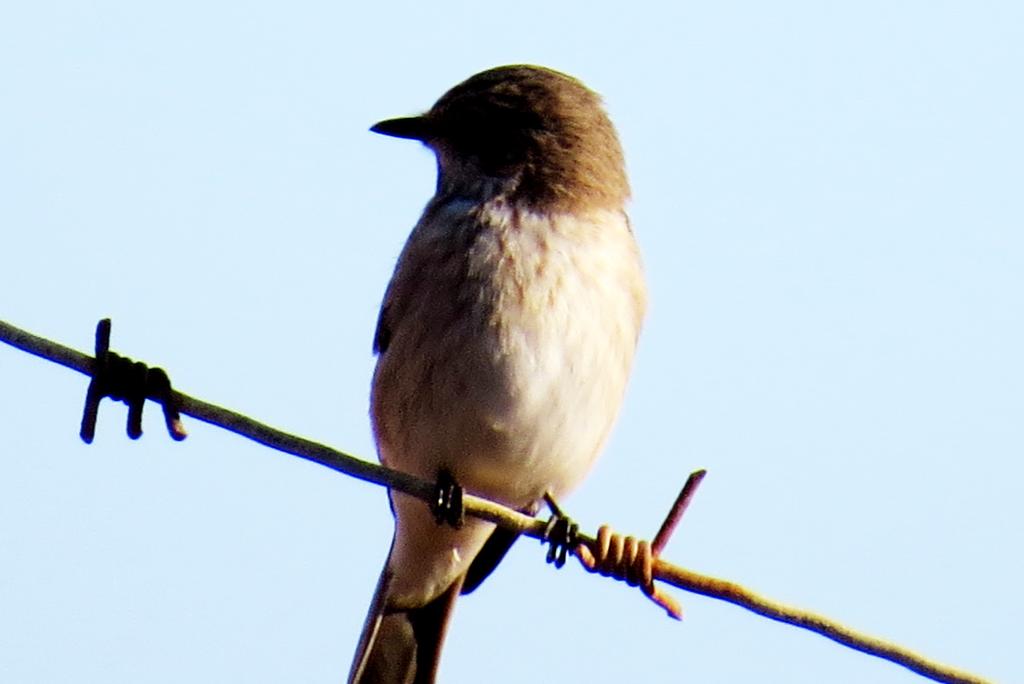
(515, 521)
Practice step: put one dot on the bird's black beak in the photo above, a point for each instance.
(411, 127)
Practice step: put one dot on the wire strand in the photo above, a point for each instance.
(669, 573)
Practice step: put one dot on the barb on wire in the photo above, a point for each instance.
(129, 381)
(513, 520)
(631, 560)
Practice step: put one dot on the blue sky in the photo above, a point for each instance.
(828, 197)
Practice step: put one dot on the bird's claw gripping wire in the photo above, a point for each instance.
(561, 534)
(446, 504)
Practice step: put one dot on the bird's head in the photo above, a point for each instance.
(529, 133)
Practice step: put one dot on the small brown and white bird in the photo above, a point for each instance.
(505, 338)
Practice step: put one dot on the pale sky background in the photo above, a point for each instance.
(829, 200)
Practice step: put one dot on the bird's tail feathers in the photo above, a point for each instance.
(402, 646)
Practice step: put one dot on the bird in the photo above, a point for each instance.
(505, 339)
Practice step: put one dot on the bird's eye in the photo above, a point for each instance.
(498, 137)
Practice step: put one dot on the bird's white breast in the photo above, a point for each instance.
(511, 336)
(511, 348)
(569, 303)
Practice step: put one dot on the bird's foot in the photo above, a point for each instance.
(447, 502)
(561, 533)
